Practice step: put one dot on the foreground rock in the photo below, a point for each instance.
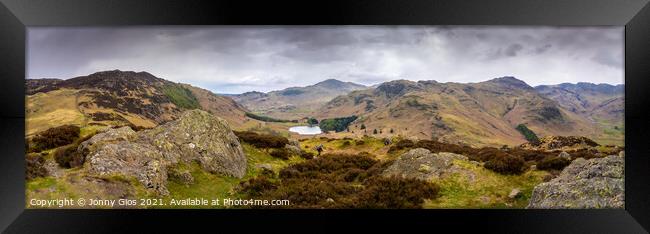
(196, 136)
(593, 183)
(422, 164)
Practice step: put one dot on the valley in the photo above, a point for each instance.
(140, 136)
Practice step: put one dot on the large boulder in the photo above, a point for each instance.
(593, 183)
(196, 136)
(421, 164)
(199, 136)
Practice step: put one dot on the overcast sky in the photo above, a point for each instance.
(239, 59)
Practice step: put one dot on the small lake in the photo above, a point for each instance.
(306, 130)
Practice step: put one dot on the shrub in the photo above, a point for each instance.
(506, 164)
(363, 126)
(333, 181)
(553, 163)
(345, 144)
(529, 155)
(262, 140)
(35, 166)
(395, 192)
(54, 137)
(359, 142)
(69, 157)
(256, 186)
(306, 155)
(528, 134)
(400, 145)
(374, 131)
(281, 153)
(488, 153)
(585, 153)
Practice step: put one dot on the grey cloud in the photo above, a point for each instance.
(542, 49)
(513, 49)
(608, 59)
(236, 58)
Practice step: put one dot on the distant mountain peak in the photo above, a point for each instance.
(587, 87)
(121, 74)
(330, 81)
(511, 82)
(397, 87)
(334, 83)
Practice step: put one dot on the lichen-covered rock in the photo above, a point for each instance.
(564, 155)
(199, 136)
(293, 149)
(593, 183)
(110, 136)
(560, 142)
(294, 143)
(196, 136)
(514, 193)
(422, 164)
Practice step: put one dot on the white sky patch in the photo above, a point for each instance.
(229, 59)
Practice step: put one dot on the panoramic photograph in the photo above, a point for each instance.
(325, 117)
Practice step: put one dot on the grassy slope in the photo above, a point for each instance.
(211, 186)
(487, 190)
(55, 108)
(60, 107)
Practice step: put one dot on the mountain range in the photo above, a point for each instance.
(482, 113)
(295, 102)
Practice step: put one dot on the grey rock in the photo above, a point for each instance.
(593, 183)
(112, 135)
(294, 143)
(565, 155)
(264, 166)
(422, 164)
(515, 193)
(196, 136)
(295, 150)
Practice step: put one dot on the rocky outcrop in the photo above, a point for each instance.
(422, 164)
(196, 136)
(560, 142)
(593, 183)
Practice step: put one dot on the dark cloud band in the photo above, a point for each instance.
(240, 58)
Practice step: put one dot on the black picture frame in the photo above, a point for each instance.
(16, 15)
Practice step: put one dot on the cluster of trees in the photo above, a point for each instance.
(312, 121)
(268, 119)
(262, 140)
(336, 124)
(528, 134)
